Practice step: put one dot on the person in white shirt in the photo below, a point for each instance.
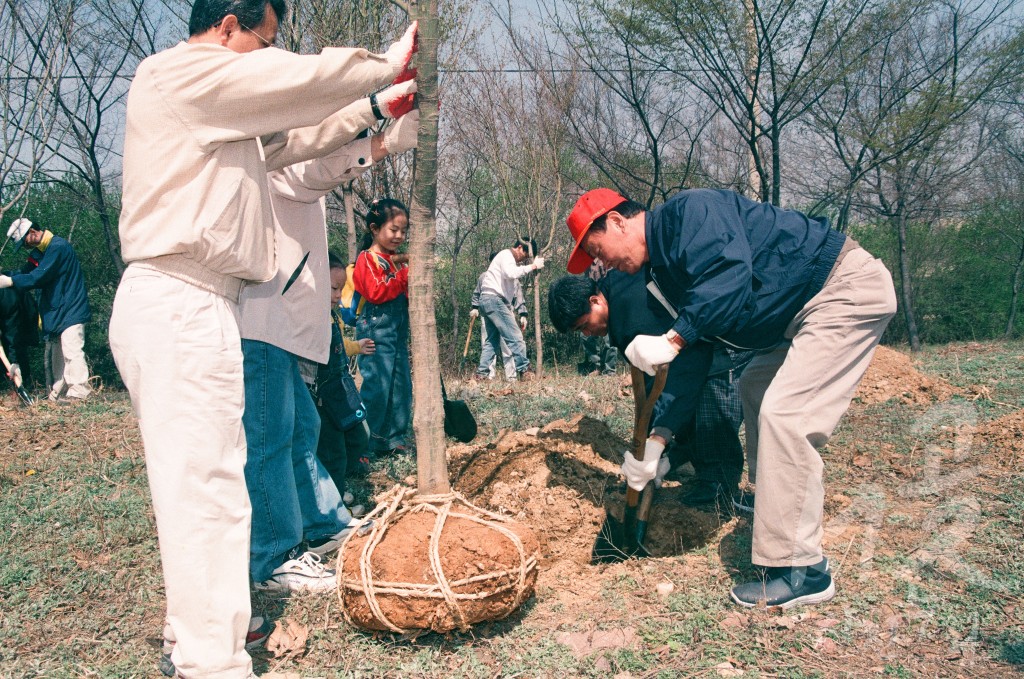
(206, 120)
(497, 291)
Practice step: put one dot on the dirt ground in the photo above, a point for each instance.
(562, 478)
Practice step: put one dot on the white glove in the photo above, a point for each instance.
(5, 282)
(400, 54)
(474, 313)
(395, 101)
(639, 473)
(522, 323)
(538, 263)
(402, 134)
(647, 352)
(664, 467)
(15, 374)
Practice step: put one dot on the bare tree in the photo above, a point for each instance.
(30, 78)
(909, 123)
(762, 64)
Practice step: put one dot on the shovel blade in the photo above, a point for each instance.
(613, 544)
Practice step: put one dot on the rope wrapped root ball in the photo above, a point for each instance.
(435, 562)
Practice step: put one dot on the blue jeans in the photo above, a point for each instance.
(291, 493)
(500, 324)
(387, 381)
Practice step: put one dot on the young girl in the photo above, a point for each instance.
(383, 284)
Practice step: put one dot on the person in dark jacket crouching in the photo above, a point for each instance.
(751, 275)
(53, 268)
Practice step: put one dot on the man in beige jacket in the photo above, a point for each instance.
(196, 224)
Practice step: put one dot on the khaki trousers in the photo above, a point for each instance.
(793, 397)
(179, 353)
(68, 368)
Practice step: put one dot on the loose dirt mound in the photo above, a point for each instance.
(892, 375)
(1005, 439)
(559, 481)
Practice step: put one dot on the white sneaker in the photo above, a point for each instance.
(302, 574)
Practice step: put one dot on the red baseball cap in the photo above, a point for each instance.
(590, 206)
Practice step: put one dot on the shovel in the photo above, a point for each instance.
(465, 350)
(19, 388)
(618, 541)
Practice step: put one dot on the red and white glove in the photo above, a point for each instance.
(639, 473)
(647, 352)
(402, 134)
(394, 101)
(400, 54)
(522, 323)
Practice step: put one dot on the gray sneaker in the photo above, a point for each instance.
(787, 587)
(302, 574)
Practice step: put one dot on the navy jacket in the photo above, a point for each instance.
(735, 269)
(63, 301)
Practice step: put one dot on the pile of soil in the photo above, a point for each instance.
(480, 565)
(892, 375)
(1004, 438)
(561, 480)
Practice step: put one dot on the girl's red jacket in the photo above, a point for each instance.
(378, 279)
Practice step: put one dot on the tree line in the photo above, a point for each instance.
(900, 120)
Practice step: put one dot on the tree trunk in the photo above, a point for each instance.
(906, 288)
(350, 221)
(1011, 317)
(428, 418)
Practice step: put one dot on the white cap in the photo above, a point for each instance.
(19, 229)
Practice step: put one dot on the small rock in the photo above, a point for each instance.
(726, 669)
(532, 431)
(664, 589)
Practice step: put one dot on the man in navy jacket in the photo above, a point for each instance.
(754, 276)
(63, 305)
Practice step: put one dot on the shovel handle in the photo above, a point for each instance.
(469, 335)
(644, 403)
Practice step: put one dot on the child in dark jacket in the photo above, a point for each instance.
(344, 436)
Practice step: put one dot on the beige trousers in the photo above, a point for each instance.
(67, 365)
(179, 353)
(794, 396)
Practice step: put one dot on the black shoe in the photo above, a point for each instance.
(787, 587)
(708, 492)
(743, 501)
(358, 468)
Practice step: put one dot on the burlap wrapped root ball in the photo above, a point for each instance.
(435, 563)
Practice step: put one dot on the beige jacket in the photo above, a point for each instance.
(196, 203)
(292, 311)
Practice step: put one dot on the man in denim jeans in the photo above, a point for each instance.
(497, 289)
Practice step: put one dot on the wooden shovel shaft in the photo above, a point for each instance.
(469, 335)
(644, 408)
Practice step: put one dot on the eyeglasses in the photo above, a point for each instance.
(266, 43)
